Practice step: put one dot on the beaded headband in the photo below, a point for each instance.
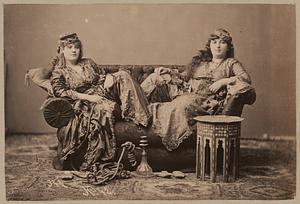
(68, 38)
(221, 34)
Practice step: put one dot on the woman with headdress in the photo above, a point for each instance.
(98, 99)
(213, 83)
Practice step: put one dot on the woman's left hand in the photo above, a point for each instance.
(162, 70)
(102, 78)
(218, 84)
(109, 81)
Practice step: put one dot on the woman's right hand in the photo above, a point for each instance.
(219, 84)
(162, 70)
(94, 98)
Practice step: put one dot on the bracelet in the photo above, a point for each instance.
(232, 80)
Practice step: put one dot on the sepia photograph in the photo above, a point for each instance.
(149, 101)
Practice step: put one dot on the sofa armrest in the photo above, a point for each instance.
(40, 77)
(235, 103)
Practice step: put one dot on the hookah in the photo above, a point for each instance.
(100, 174)
(144, 169)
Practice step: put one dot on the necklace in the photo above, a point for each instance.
(212, 66)
(77, 69)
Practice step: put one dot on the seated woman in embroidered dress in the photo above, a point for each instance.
(213, 83)
(98, 100)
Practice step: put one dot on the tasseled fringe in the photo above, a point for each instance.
(43, 105)
(27, 78)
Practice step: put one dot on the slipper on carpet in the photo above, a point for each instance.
(163, 174)
(178, 174)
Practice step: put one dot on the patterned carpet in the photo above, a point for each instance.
(267, 172)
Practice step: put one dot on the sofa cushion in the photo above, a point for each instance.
(57, 112)
(41, 77)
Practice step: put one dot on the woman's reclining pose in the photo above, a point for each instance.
(98, 100)
(213, 83)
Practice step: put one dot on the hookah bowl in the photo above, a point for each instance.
(144, 169)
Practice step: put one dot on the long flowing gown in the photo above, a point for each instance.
(173, 120)
(92, 128)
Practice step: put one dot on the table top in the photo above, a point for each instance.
(218, 119)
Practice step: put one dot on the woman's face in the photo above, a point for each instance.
(218, 48)
(71, 52)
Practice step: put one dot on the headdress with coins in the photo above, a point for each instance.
(67, 38)
(221, 34)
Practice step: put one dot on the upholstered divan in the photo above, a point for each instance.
(159, 157)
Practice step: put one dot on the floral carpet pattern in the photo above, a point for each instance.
(267, 172)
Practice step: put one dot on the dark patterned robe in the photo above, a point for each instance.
(92, 128)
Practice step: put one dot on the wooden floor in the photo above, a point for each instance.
(267, 172)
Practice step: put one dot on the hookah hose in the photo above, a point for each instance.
(101, 173)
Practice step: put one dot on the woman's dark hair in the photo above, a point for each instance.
(205, 54)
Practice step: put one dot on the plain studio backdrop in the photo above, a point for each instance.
(264, 38)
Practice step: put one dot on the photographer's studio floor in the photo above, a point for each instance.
(267, 172)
